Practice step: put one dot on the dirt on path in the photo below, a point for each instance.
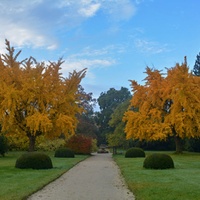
(96, 178)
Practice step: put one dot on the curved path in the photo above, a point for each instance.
(96, 178)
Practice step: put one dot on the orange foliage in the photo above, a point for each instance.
(167, 105)
(36, 99)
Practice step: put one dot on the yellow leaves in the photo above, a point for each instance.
(34, 97)
(165, 102)
(66, 124)
(38, 122)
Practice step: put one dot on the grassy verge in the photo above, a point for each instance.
(181, 183)
(18, 184)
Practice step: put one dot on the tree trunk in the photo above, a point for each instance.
(32, 140)
(114, 150)
(179, 147)
(178, 143)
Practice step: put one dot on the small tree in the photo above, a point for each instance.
(80, 144)
(196, 69)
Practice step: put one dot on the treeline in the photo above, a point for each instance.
(162, 114)
(40, 107)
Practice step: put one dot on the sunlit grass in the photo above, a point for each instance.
(181, 183)
(17, 184)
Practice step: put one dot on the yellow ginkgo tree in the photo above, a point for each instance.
(166, 105)
(35, 99)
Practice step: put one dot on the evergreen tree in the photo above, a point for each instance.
(196, 69)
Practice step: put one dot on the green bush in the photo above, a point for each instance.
(64, 153)
(134, 152)
(3, 145)
(34, 160)
(17, 143)
(158, 161)
(44, 144)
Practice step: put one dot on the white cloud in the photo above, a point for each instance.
(91, 64)
(138, 1)
(79, 64)
(120, 9)
(102, 52)
(35, 23)
(90, 10)
(150, 47)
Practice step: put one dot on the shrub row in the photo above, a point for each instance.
(64, 153)
(78, 143)
(153, 161)
(39, 160)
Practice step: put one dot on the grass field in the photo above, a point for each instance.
(180, 183)
(17, 184)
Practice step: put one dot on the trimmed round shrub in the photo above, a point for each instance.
(158, 161)
(64, 153)
(134, 152)
(34, 160)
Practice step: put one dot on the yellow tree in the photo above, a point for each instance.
(168, 105)
(36, 99)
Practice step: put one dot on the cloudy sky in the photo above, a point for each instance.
(114, 39)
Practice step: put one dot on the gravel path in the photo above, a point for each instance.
(96, 178)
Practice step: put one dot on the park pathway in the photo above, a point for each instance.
(96, 178)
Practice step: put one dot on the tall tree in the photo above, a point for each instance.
(36, 99)
(86, 120)
(168, 106)
(196, 69)
(108, 101)
(117, 138)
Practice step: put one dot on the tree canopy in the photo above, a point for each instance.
(36, 99)
(108, 102)
(168, 105)
(117, 138)
(86, 122)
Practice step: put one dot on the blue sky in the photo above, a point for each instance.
(114, 39)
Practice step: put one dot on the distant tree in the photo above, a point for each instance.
(196, 69)
(118, 138)
(168, 106)
(108, 101)
(86, 120)
(35, 99)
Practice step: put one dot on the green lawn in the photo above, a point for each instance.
(17, 184)
(181, 183)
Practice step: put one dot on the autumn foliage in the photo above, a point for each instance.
(166, 105)
(36, 99)
(80, 144)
